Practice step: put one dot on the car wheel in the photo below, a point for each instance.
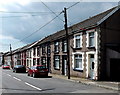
(34, 75)
(47, 75)
(31, 75)
(15, 71)
(28, 74)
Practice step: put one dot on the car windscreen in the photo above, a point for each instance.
(19, 66)
(41, 67)
(6, 65)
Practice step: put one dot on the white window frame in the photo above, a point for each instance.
(80, 34)
(73, 60)
(87, 35)
(56, 59)
(56, 44)
(38, 51)
(43, 50)
(64, 46)
(92, 37)
(44, 60)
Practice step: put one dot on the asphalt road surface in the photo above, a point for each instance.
(21, 83)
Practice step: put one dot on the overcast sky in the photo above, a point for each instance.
(19, 19)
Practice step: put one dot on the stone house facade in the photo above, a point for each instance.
(94, 47)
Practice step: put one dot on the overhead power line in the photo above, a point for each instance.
(18, 16)
(69, 8)
(26, 12)
(3, 44)
(40, 28)
(50, 20)
(66, 8)
(72, 5)
(51, 10)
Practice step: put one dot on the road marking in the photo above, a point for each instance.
(16, 78)
(9, 75)
(32, 86)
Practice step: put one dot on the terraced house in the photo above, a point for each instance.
(94, 47)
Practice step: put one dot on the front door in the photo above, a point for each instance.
(91, 66)
(64, 65)
(48, 64)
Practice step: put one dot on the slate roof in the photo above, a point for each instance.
(86, 24)
(91, 22)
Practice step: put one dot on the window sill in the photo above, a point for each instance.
(77, 48)
(56, 52)
(48, 54)
(92, 47)
(64, 51)
(78, 70)
(56, 69)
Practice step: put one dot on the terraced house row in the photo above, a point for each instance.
(94, 47)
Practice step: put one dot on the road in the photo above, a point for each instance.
(21, 83)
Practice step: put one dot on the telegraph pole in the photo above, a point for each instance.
(67, 40)
(3, 60)
(11, 56)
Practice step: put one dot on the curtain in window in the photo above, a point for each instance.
(77, 39)
(91, 39)
(78, 61)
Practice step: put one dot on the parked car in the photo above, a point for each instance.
(19, 69)
(38, 70)
(5, 66)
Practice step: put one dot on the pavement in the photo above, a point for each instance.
(103, 84)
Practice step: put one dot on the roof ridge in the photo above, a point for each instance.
(95, 16)
(85, 23)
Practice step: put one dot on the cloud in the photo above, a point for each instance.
(17, 28)
(106, 6)
(3, 37)
(5, 41)
(3, 9)
(21, 2)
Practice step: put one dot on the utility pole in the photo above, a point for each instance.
(67, 40)
(3, 59)
(11, 56)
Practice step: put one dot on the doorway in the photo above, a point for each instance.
(48, 64)
(64, 65)
(91, 66)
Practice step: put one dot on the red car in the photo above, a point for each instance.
(38, 70)
(6, 67)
